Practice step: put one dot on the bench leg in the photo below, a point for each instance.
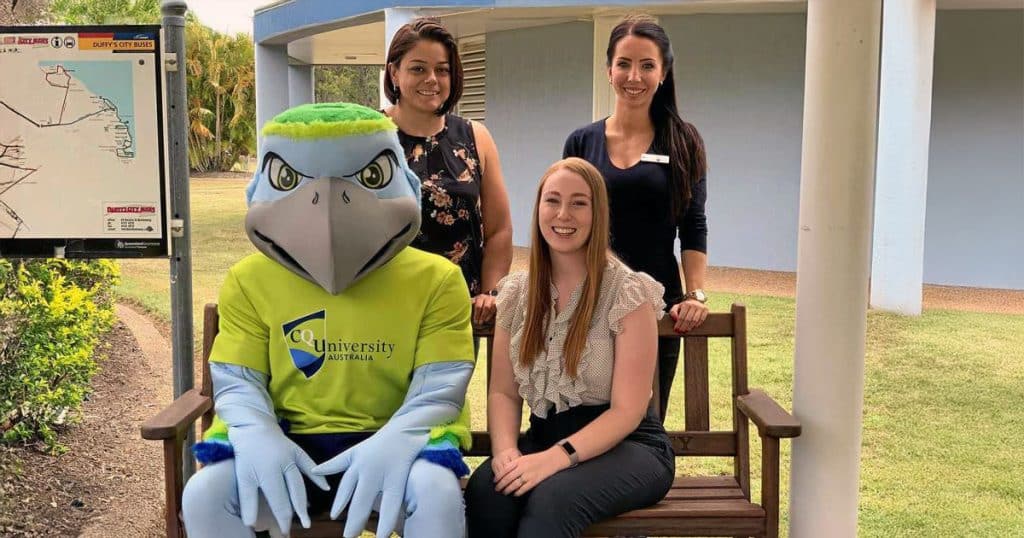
(770, 484)
(173, 485)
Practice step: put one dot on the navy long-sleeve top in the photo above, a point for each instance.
(643, 230)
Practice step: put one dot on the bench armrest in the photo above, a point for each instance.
(771, 419)
(177, 417)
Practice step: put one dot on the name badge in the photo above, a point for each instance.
(654, 158)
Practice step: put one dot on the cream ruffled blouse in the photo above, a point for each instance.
(545, 383)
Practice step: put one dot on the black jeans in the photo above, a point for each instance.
(668, 360)
(637, 472)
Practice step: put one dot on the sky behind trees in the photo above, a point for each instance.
(228, 16)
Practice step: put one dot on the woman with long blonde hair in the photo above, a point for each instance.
(576, 339)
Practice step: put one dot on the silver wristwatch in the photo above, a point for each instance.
(697, 294)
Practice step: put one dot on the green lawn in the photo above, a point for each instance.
(943, 442)
(218, 241)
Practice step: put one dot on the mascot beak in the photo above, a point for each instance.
(332, 231)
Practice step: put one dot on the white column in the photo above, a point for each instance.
(904, 128)
(394, 18)
(271, 83)
(604, 96)
(300, 84)
(836, 176)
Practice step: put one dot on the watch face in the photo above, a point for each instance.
(699, 295)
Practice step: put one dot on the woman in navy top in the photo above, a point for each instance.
(655, 168)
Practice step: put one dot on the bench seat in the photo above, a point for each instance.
(701, 504)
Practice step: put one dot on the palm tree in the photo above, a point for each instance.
(240, 61)
(221, 101)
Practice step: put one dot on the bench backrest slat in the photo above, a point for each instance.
(739, 350)
(718, 325)
(211, 324)
(690, 443)
(741, 464)
(695, 383)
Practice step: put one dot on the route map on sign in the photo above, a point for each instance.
(81, 142)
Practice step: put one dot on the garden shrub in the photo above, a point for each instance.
(52, 315)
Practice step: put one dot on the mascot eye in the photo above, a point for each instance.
(282, 176)
(377, 174)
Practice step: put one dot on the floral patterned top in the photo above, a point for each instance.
(449, 169)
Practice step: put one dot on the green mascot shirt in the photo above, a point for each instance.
(343, 363)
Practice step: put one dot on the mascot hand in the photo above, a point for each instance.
(379, 466)
(265, 459)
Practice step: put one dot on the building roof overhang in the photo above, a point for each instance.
(336, 32)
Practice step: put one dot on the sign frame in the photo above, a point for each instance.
(109, 247)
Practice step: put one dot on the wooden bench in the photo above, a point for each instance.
(696, 505)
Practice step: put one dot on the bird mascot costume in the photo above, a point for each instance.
(338, 345)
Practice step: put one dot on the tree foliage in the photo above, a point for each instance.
(53, 314)
(106, 11)
(351, 83)
(221, 97)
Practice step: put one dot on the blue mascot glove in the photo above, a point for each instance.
(265, 459)
(380, 465)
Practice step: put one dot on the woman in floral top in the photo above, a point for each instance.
(466, 214)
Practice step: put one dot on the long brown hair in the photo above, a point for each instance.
(538, 296)
(677, 138)
(405, 39)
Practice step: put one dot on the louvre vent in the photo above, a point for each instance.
(473, 104)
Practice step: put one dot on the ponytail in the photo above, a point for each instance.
(681, 142)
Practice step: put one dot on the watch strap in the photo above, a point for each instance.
(697, 295)
(574, 458)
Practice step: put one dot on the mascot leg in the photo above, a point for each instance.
(209, 506)
(433, 501)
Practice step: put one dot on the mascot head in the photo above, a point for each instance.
(333, 198)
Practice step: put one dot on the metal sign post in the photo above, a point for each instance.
(181, 244)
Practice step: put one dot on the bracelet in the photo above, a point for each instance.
(574, 458)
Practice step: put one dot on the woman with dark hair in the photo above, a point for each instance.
(575, 339)
(466, 215)
(655, 168)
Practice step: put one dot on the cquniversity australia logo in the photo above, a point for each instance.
(304, 338)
